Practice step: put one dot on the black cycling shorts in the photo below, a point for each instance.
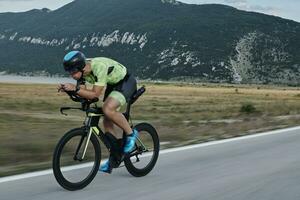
(127, 87)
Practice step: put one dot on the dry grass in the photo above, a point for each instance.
(31, 125)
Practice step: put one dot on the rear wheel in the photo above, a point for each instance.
(70, 171)
(145, 154)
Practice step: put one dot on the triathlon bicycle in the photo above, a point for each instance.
(80, 148)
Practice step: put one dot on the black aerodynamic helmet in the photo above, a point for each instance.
(74, 61)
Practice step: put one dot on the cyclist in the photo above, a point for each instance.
(120, 85)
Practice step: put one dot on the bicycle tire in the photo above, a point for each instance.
(57, 171)
(143, 128)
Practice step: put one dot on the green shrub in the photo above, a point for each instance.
(248, 108)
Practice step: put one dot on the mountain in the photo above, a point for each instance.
(156, 39)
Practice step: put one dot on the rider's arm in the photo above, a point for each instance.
(90, 94)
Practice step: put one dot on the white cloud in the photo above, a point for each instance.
(235, 1)
(286, 9)
(245, 5)
(25, 5)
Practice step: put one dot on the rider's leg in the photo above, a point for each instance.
(108, 125)
(111, 115)
(110, 107)
(116, 97)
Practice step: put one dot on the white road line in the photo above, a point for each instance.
(49, 171)
(230, 140)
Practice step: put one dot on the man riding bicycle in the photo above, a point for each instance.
(120, 86)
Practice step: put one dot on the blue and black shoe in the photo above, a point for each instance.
(130, 141)
(106, 167)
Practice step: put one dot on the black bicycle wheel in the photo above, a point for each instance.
(70, 171)
(143, 158)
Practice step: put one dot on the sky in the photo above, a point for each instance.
(289, 9)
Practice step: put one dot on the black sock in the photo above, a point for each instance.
(130, 135)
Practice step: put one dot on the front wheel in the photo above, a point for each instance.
(145, 154)
(70, 170)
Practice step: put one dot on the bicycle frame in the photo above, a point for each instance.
(91, 127)
(90, 132)
(93, 117)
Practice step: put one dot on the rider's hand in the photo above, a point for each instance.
(60, 88)
(69, 87)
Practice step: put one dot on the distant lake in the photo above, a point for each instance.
(34, 79)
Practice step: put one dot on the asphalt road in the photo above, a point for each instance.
(253, 168)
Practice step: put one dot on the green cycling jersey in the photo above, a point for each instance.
(105, 71)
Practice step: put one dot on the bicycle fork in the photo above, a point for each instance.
(87, 142)
(88, 137)
(90, 123)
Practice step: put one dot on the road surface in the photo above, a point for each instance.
(260, 167)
